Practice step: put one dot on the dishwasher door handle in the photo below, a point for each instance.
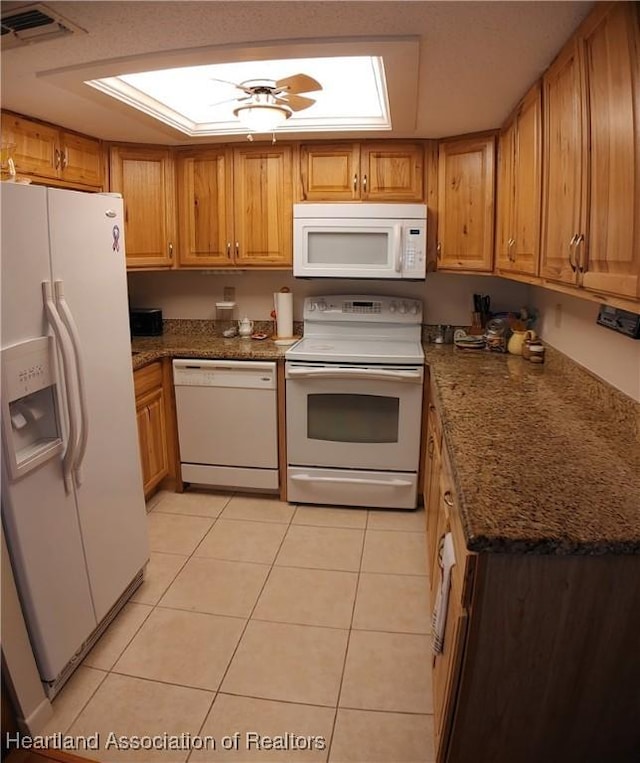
(352, 480)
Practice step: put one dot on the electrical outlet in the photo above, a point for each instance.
(229, 294)
(557, 316)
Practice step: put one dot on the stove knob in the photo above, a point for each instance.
(322, 305)
(403, 307)
(393, 307)
(414, 309)
(312, 306)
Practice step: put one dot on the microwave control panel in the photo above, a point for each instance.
(413, 249)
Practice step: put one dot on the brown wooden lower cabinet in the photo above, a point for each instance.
(153, 428)
(540, 660)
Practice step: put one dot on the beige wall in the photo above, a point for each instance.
(447, 298)
(569, 325)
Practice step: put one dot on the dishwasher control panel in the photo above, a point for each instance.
(243, 374)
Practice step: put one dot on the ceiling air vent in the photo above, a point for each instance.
(33, 23)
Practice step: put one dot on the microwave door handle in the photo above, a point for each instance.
(398, 239)
(371, 374)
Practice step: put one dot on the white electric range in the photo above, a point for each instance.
(354, 402)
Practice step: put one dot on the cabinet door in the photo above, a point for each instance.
(81, 160)
(611, 52)
(431, 493)
(152, 436)
(465, 204)
(330, 171)
(144, 177)
(205, 207)
(263, 206)
(505, 194)
(142, 419)
(392, 171)
(36, 146)
(527, 184)
(563, 166)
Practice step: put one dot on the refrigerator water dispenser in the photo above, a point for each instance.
(31, 424)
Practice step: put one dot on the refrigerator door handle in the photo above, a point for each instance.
(72, 328)
(65, 350)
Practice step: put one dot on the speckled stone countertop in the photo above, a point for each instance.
(199, 339)
(546, 458)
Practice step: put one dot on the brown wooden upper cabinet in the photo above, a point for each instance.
(376, 171)
(53, 154)
(235, 206)
(519, 188)
(591, 197)
(145, 178)
(465, 204)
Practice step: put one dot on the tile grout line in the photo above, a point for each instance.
(215, 693)
(248, 620)
(346, 651)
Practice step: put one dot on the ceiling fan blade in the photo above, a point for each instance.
(295, 102)
(227, 100)
(233, 84)
(298, 83)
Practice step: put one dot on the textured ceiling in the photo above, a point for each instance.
(476, 58)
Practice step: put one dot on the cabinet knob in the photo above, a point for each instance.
(237, 248)
(229, 250)
(355, 182)
(170, 250)
(57, 158)
(364, 184)
(64, 158)
(439, 250)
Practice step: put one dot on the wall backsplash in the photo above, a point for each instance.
(569, 324)
(447, 297)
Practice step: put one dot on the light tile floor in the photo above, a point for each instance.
(260, 617)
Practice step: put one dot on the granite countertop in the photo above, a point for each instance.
(208, 346)
(546, 458)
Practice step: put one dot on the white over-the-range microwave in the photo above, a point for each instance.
(352, 240)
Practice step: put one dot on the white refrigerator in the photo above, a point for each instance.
(72, 498)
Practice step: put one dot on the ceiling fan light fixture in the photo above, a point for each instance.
(262, 117)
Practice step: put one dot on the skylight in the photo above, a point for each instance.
(191, 99)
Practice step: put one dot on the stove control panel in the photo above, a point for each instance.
(367, 308)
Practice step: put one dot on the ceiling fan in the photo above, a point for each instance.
(268, 103)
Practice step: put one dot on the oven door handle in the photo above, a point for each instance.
(371, 374)
(352, 480)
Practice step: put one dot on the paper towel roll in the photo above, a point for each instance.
(283, 301)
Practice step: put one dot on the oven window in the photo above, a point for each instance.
(347, 248)
(352, 418)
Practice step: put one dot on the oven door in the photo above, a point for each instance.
(354, 417)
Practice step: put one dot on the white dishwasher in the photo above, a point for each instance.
(227, 422)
